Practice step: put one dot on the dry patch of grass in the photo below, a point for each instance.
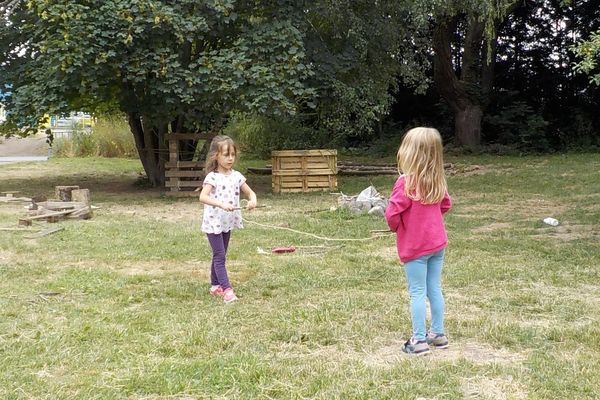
(466, 170)
(8, 257)
(176, 212)
(582, 292)
(390, 353)
(497, 388)
(493, 227)
(480, 353)
(568, 232)
(389, 253)
(525, 209)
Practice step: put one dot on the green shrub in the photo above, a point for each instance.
(259, 135)
(517, 124)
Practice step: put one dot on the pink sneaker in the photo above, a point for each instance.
(229, 296)
(216, 290)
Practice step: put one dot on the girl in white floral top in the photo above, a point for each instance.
(221, 197)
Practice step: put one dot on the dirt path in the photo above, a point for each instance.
(29, 146)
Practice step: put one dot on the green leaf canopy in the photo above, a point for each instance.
(184, 64)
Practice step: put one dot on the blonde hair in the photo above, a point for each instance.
(420, 159)
(216, 146)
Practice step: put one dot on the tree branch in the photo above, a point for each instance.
(443, 69)
(472, 57)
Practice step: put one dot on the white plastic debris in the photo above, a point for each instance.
(551, 221)
(364, 202)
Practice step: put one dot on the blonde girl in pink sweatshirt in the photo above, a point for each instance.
(415, 212)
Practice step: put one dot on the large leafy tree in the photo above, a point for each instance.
(360, 50)
(171, 66)
(464, 42)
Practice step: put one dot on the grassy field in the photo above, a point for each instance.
(116, 307)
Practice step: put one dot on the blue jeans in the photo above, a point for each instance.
(424, 276)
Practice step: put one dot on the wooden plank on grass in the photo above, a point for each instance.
(7, 199)
(27, 220)
(45, 232)
(60, 205)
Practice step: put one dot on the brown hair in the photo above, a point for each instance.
(420, 159)
(216, 146)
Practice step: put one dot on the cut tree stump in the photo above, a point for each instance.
(81, 195)
(63, 193)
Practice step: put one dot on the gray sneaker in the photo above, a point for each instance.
(437, 340)
(416, 347)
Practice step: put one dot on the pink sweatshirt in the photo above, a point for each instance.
(419, 227)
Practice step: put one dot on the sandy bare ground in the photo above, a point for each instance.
(29, 146)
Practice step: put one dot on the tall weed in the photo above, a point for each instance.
(80, 144)
(113, 137)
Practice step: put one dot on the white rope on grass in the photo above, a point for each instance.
(313, 235)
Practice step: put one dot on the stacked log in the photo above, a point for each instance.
(355, 168)
(352, 168)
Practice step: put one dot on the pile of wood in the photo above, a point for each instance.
(71, 203)
(344, 168)
(353, 168)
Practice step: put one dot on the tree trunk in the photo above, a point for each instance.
(151, 147)
(467, 125)
(468, 94)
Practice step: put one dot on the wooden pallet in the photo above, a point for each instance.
(299, 171)
(183, 177)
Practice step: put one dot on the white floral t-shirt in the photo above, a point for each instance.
(226, 189)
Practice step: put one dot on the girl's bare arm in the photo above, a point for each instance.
(250, 195)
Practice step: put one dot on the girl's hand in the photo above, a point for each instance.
(251, 204)
(227, 207)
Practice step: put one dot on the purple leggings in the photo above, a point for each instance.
(218, 272)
